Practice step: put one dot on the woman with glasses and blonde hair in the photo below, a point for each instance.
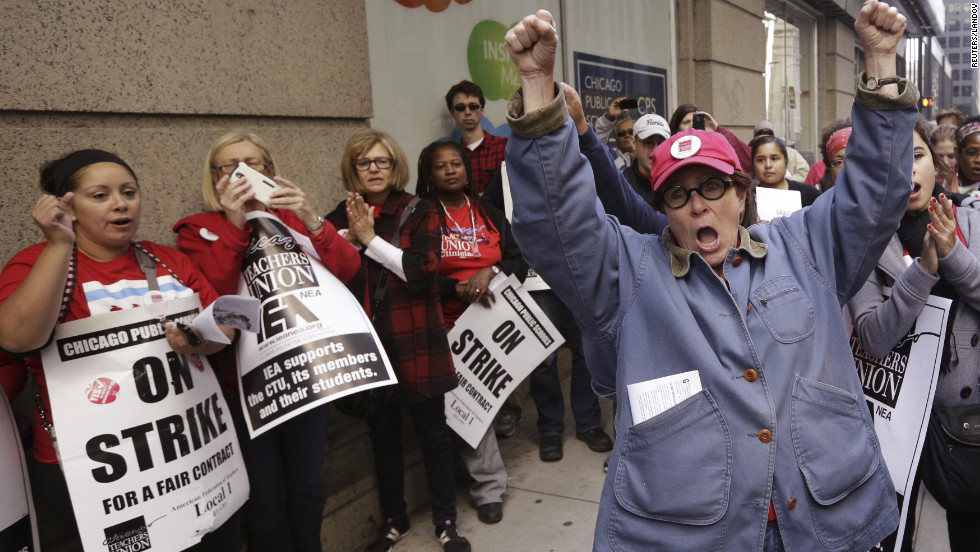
(285, 508)
(398, 286)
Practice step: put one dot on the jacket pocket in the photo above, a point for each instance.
(785, 309)
(837, 453)
(677, 466)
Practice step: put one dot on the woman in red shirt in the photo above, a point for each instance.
(285, 509)
(477, 244)
(89, 214)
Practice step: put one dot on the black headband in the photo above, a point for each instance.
(77, 161)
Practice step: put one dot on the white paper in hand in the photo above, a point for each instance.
(651, 397)
(777, 203)
(236, 311)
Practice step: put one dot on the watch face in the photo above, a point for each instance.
(872, 83)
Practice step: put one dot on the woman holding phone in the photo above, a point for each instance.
(285, 508)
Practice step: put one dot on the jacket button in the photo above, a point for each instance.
(736, 261)
(965, 392)
(792, 503)
(750, 375)
(765, 436)
(975, 340)
(749, 309)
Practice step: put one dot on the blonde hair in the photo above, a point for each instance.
(358, 145)
(211, 176)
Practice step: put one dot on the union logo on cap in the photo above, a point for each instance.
(685, 147)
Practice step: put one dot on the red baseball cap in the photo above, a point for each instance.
(692, 147)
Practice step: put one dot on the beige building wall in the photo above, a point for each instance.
(721, 54)
(157, 82)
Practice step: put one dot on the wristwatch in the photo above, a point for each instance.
(495, 269)
(874, 83)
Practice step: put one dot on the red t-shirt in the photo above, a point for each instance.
(469, 244)
(101, 288)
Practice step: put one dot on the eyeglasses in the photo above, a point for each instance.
(710, 188)
(364, 164)
(624, 133)
(459, 108)
(837, 163)
(228, 169)
(971, 153)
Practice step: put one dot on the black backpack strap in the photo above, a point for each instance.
(379, 292)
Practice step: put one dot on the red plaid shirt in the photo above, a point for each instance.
(486, 159)
(410, 325)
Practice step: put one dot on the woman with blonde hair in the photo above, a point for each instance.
(285, 508)
(399, 236)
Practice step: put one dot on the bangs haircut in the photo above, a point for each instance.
(358, 145)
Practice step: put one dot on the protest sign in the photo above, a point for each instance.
(494, 349)
(899, 390)
(18, 525)
(145, 438)
(771, 203)
(315, 342)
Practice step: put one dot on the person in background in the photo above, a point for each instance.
(968, 156)
(769, 158)
(749, 461)
(950, 116)
(819, 169)
(477, 244)
(649, 132)
(834, 150)
(89, 213)
(285, 507)
(409, 323)
(465, 103)
(796, 166)
(683, 119)
(934, 252)
(617, 123)
(942, 140)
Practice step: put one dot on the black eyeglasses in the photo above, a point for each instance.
(624, 133)
(971, 153)
(364, 164)
(710, 188)
(459, 108)
(228, 169)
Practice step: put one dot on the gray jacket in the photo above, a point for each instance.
(881, 322)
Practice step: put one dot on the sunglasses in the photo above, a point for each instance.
(624, 133)
(459, 108)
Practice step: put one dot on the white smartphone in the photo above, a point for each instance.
(261, 184)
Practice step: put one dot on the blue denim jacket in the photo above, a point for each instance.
(781, 412)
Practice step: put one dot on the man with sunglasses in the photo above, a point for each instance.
(649, 132)
(742, 423)
(465, 102)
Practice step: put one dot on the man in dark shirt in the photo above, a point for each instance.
(648, 132)
(465, 102)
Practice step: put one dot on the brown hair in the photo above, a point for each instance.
(358, 145)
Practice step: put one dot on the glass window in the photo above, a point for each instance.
(790, 75)
(954, 42)
(967, 90)
(956, 74)
(956, 90)
(954, 58)
(942, 41)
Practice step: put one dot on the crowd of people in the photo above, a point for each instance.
(685, 276)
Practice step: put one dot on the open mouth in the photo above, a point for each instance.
(708, 239)
(122, 223)
(916, 191)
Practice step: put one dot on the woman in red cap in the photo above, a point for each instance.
(744, 325)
